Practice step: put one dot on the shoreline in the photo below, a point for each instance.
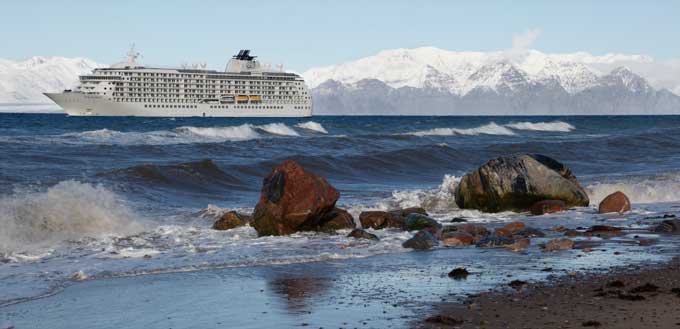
(635, 296)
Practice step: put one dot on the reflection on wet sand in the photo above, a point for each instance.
(297, 292)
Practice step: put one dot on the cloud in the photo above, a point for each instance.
(524, 40)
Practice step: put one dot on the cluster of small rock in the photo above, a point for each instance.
(293, 199)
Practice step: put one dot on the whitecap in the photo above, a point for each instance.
(313, 126)
(278, 129)
(488, 129)
(180, 135)
(557, 126)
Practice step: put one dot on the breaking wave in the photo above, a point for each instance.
(277, 129)
(313, 126)
(440, 199)
(662, 188)
(180, 135)
(488, 129)
(70, 210)
(558, 126)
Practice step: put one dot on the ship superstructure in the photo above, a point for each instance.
(246, 88)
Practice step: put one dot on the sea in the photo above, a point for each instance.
(106, 222)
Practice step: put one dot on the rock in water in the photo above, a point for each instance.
(230, 220)
(547, 207)
(615, 202)
(423, 240)
(417, 221)
(458, 239)
(337, 219)
(494, 242)
(669, 226)
(374, 219)
(293, 199)
(517, 182)
(361, 234)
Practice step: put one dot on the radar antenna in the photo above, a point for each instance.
(132, 56)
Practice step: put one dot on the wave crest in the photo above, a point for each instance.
(180, 135)
(558, 126)
(313, 126)
(67, 211)
(487, 129)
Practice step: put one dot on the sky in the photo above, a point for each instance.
(304, 34)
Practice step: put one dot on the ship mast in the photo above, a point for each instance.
(132, 56)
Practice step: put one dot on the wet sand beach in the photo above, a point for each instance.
(646, 296)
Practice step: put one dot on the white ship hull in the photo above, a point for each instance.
(79, 104)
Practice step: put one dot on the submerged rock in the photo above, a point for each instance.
(615, 202)
(558, 244)
(361, 234)
(231, 219)
(517, 182)
(514, 227)
(604, 231)
(519, 245)
(423, 240)
(501, 232)
(494, 242)
(548, 207)
(669, 226)
(293, 199)
(530, 232)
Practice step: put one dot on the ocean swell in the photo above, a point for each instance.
(202, 175)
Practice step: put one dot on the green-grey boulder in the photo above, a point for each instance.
(517, 182)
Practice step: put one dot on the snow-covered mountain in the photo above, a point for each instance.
(24, 81)
(435, 81)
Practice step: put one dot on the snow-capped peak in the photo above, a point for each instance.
(461, 72)
(25, 80)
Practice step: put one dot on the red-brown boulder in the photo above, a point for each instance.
(375, 219)
(293, 199)
(457, 239)
(548, 207)
(615, 202)
(514, 227)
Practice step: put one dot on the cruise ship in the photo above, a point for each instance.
(246, 88)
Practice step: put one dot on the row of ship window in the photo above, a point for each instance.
(218, 106)
(170, 106)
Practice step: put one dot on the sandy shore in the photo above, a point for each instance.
(630, 297)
